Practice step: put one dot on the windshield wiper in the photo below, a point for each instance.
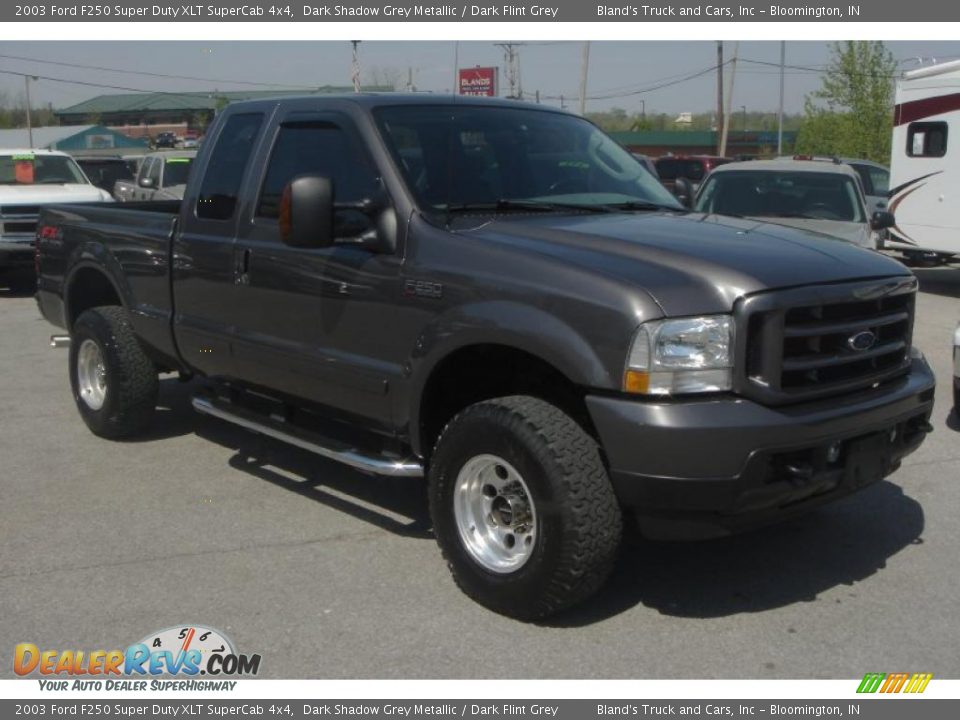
(505, 204)
(644, 205)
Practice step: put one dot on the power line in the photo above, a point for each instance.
(152, 74)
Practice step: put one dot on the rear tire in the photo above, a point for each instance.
(114, 383)
(522, 507)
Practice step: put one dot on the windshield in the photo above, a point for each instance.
(104, 173)
(30, 169)
(176, 171)
(785, 194)
(458, 157)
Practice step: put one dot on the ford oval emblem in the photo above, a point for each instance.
(862, 341)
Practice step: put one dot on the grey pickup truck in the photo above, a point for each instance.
(162, 176)
(498, 298)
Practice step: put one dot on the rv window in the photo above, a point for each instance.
(927, 139)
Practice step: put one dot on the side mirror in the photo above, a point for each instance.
(881, 220)
(146, 182)
(306, 212)
(683, 191)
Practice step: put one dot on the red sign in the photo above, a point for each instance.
(481, 81)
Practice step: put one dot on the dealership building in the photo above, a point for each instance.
(141, 115)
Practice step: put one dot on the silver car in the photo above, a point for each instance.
(823, 197)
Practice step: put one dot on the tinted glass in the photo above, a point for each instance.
(104, 173)
(461, 156)
(316, 149)
(810, 195)
(176, 171)
(228, 163)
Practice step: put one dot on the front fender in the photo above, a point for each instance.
(509, 324)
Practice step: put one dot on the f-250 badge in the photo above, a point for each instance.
(423, 288)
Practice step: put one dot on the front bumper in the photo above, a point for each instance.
(16, 256)
(707, 467)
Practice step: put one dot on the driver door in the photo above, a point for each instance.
(311, 322)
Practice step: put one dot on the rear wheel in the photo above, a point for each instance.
(522, 507)
(114, 383)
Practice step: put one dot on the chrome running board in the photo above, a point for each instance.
(59, 341)
(325, 447)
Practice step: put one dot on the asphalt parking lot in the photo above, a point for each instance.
(331, 574)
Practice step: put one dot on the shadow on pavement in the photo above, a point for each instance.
(777, 566)
(953, 420)
(397, 505)
(175, 416)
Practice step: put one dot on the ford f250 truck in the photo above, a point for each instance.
(498, 298)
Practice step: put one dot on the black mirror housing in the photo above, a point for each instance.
(683, 191)
(881, 220)
(306, 212)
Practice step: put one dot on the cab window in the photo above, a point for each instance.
(325, 149)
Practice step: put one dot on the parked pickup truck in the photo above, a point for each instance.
(498, 297)
(30, 179)
(162, 176)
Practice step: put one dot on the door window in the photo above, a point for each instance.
(320, 148)
(228, 163)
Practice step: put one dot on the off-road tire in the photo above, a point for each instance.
(579, 521)
(131, 377)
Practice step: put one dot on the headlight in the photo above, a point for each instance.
(687, 355)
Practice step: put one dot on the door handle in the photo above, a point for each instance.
(243, 268)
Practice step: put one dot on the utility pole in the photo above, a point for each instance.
(355, 68)
(729, 99)
(511, 57)
(783, 57)
(584, 69)
(719, 92)
(26, 84)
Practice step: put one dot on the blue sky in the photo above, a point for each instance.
(618, 70)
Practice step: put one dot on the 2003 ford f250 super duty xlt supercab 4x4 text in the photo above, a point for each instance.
(499, 297)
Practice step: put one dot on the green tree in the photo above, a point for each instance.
(852, 112)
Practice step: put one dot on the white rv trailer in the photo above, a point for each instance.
(925, 161)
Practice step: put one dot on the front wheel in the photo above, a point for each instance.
(114, 383)
(522, 507)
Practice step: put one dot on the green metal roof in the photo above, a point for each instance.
(188, 101)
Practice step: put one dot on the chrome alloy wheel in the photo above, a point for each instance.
(91, 374)
(495, 514)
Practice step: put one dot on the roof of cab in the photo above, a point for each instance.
(374, 100)
(817, 166)
(29, 151)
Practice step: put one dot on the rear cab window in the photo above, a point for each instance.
(222, 178)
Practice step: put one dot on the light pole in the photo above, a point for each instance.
(355, 68)
(26, 84)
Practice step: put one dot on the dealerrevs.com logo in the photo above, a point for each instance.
(186, 651)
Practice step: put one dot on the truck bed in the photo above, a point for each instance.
(132, 241)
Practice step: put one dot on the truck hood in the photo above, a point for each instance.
(690, 264)
(48, 194)
(855, 232)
